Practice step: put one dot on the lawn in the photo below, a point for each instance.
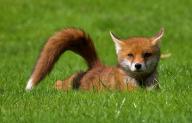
(26, 24)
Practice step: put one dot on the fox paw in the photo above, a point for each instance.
(59, 84)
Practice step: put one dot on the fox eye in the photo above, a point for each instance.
(146, 55)
(130, 55)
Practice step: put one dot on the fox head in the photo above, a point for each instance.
(138, 55)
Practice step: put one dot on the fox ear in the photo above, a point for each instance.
(118, 43)
(157, 38)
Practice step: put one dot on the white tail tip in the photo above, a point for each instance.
(29, 85)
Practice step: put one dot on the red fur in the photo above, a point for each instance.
(99, 76)
(69, 39)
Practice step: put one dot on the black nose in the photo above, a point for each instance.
(138, 66)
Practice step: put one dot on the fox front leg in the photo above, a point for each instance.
(131, 84)
(152, 82)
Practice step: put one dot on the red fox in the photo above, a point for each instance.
(138, 58)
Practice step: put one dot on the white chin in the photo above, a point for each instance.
(137, 71)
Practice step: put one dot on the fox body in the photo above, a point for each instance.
(138, 58)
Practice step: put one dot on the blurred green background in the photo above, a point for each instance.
(26, 24)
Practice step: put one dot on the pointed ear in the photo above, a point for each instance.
(157, 38)
(118, 43)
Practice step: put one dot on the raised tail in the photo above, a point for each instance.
(72, 39)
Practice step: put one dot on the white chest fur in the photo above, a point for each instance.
(130, 80)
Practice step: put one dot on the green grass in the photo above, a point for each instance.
(26, 24)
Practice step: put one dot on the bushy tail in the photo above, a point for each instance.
(72, 39)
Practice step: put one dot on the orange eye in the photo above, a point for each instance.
(146, 55)
(130, 55)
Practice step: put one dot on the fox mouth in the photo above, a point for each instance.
(138, 71)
